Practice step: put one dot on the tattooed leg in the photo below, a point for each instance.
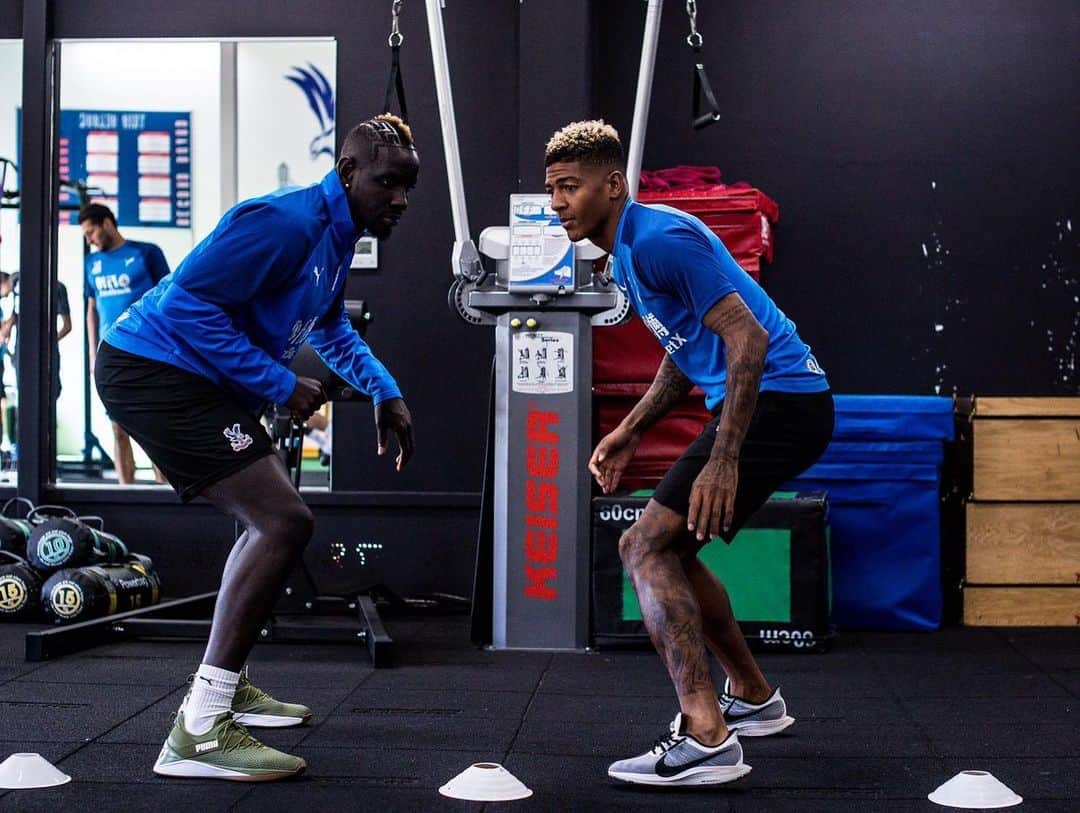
(722, 633)
(672, 616)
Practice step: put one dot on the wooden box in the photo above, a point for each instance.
(1026, 449)
(1023, 528)
(1022, 606)
(1023, 543)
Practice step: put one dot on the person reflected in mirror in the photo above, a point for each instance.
(117, 273)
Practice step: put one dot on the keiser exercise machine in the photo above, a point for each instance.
(543, 303)
(543, 297)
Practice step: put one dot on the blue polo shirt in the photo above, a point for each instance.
(115, 279)
(239, 307)
(674, 269)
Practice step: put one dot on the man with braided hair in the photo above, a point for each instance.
(772, 417)
(188, 368)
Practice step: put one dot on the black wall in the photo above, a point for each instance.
(10, 19)
(881, 128)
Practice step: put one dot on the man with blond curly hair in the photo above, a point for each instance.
(188, 369)
(772, 417)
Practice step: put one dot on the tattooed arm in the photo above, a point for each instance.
(712, 500)
(614, 453)
(745, 343)
(668, 388)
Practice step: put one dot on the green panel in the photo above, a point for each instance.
(631, 610)
(755, 568)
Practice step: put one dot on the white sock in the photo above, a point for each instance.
(211, 694)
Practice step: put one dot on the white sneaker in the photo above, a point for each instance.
(679, 759)
(755, 719)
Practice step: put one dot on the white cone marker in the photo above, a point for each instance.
(975, 789)
(24, 771)
(485, 782)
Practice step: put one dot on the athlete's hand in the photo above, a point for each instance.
(306, 398)
(611, 457)
(393, 416)
(712, 499)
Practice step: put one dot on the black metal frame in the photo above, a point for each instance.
(187, 618)
(41, 91)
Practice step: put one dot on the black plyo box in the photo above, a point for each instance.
(776, 572)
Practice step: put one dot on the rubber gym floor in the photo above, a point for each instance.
(882, 720)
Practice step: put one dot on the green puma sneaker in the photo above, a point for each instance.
(254, 707)
(226, 751)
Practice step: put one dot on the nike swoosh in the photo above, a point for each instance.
(729, 715)
(666, 771)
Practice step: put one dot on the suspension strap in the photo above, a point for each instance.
(395, 81)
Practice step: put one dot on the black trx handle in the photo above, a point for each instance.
(395, 81)
(702, 86)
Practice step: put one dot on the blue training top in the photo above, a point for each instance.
(117, 278)
(674, 269)
(269, 277)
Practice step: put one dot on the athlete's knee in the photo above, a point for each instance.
(293, 524)
(637, 544)
(301, 523)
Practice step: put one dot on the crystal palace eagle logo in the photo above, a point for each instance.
(320, 98)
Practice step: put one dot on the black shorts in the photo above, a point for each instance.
(193, 430)
(788, 432)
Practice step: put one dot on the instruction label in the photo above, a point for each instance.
(541, 254)
(542, 363)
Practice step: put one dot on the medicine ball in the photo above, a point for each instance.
(60, 542)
